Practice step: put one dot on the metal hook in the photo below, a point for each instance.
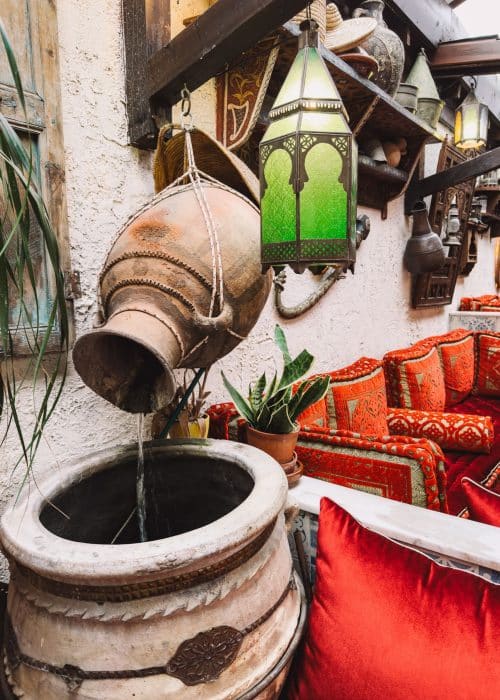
(186, 102)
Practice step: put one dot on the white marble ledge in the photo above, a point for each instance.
(474, 320)
(450, 536)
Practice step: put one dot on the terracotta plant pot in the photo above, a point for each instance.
(280, 447)
(209, 607)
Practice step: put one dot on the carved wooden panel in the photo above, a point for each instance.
(437, 288)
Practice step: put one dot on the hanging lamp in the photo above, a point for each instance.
(453, 225)
(308, 169)
(471, 122)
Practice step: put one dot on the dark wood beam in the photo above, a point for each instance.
(453, 176)
(146, 28)
(455, 3)
(214, 40)
(479, 56)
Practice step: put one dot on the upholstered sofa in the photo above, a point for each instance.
(408, 427)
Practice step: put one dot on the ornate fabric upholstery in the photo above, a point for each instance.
(388, 622)
(356, 399)
(414, 378)
(452, 431)
(402, 468)
(488, 363)
(456, 352)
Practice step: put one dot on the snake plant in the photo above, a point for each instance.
(275, 407)
(23, 214)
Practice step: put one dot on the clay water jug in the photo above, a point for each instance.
(384, 45)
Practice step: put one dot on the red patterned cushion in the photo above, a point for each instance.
(456, 352)
(357, 400)
(483, 504)
(387, 622)
(451, 431)
(315, 414)
(401, 468)
(414, 378)
(488, 363)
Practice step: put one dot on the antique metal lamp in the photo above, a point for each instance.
(308, 169)
(471, 123)
(453, 226)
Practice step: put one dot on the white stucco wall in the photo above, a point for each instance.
(106, 180)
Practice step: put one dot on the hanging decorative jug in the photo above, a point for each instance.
(424, 251)
(384, 45)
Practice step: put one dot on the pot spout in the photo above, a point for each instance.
(129, 360)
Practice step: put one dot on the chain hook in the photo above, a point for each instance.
(186, 116)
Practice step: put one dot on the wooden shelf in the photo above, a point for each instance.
(372, 114)
(487, 188)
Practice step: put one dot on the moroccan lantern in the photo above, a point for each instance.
(453, 226)
(308, 169)
(471, 123)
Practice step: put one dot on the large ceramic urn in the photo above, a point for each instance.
(384, 45)
(209, 607)
(181, 286)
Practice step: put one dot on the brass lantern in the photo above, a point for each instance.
(471, 123)
(308, 169)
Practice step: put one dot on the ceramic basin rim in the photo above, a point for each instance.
(28, 542)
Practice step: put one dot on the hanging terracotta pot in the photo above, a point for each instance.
(384, 45)
(424, 251)
(172, 296)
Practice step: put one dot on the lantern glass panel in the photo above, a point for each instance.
(281, 127)
(323, 200)
(322, 122)
(278, 205)
(290, 90)
(318, 83)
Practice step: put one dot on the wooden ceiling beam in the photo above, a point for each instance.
(479, 56)
(215, 39)
(433, 20)
(453, 176)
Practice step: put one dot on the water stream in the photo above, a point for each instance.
(141, 495)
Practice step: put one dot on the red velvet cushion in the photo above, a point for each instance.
(388, 623)
(356, 399)
(415, 378)
(483, 504)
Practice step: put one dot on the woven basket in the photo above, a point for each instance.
(318, 14)
(211, 157)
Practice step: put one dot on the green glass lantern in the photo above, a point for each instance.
(471, 123)
(308, 169)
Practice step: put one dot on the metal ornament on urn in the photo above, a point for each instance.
(384, 45)
(424, 251)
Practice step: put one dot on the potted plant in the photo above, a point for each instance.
(271, 410)
(192, 421)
